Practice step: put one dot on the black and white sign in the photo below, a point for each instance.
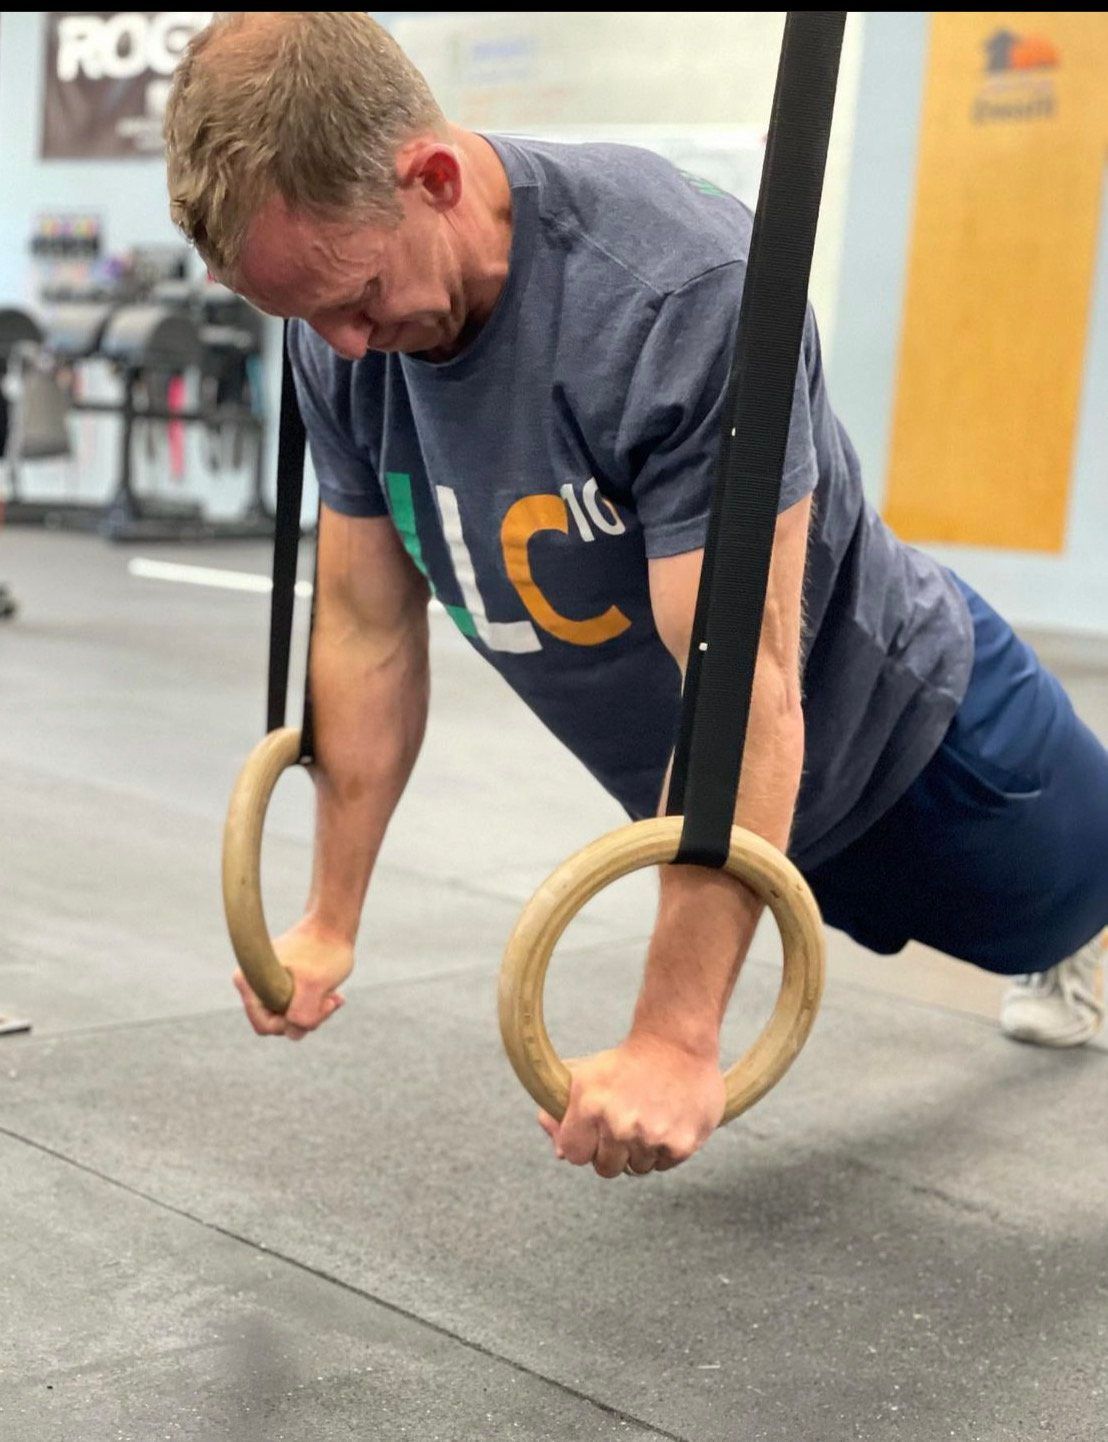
(107, 80)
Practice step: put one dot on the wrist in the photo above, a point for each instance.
(696, 1036)
(329, 925)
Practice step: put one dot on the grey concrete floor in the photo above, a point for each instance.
(208, 1236)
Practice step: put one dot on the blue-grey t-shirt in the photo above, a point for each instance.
(532, 476)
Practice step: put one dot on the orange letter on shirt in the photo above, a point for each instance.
(525, 518)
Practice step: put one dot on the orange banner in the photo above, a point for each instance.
(1013, 143)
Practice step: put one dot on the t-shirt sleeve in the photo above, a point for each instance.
(670, 430)
(347, 471)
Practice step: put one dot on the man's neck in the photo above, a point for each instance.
(489, 241)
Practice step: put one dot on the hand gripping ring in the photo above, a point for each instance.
(645, 843)
(242, 867)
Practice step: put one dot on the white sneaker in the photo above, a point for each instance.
(1060, 1007)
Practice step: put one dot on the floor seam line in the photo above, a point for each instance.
(344, 1286)
(33, 1038)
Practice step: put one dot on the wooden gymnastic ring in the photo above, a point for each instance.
(271, 982)
(645, 843)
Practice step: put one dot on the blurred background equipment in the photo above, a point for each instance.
(129, 356)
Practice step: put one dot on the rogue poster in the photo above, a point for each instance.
(107, 79)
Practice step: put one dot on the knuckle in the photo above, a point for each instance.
(588, 1111)
(303, 1014)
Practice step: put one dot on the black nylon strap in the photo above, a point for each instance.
(307, 725)
(719, 676)
(286, 545)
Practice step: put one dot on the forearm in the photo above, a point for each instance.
(706, 919)
(370, 703)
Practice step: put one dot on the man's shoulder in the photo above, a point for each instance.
(621, 208)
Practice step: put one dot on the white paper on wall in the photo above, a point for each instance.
(695, 86)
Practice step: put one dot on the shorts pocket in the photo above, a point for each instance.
(982, 783)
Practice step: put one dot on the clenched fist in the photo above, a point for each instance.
(319, 962)
(644, 1106)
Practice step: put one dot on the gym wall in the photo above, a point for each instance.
(971, 354)
(973, 379)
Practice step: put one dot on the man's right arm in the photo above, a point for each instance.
(370, 685)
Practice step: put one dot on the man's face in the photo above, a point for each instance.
(362, 287)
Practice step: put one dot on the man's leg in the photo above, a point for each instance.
(998, 852)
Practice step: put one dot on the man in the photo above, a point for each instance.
(511, 358)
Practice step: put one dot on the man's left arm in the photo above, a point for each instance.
(655, 1099)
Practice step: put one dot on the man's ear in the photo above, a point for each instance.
(432, 167)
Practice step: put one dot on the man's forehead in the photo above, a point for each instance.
(284, 252)
(269, 267)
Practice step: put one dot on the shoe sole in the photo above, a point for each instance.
(1063, 1039)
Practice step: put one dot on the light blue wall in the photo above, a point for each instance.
(862, 366)
(129, 195)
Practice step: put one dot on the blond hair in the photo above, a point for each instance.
(308, 105)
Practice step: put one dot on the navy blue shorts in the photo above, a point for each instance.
(998, 852)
